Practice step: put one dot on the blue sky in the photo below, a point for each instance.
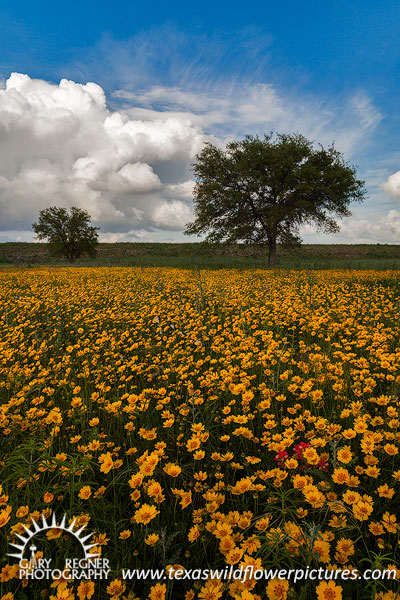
(214, 70)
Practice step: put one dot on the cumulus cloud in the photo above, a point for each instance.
(381, 229)
(61, 145)
(172, 214)
(373, 229)
(130, 167)
(392, 185)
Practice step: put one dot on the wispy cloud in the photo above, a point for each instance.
(229, 84)
(170, 57)
(244, 108)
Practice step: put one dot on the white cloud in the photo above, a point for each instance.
(239, 109)
(137, 177)
(180, 190)
(130, 168)
(172, 214)
(383, 229)
(376, 229)
(392, 185)
(61, 145)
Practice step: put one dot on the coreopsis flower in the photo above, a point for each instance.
(345, 546)
(194, 533)
(94, 445)
(154, 489)
(341, 476)
(106, 462)
(314, 496)
(329, 591)
(63, 592)
(172, 469)
(350, 497)
(145, 514)
(251, 545)
(301, 481)
(389, 522)
(22, 512)
(372, 471)
(199, 455)
(147, 468)
(391, 449)
(136, 480)
(277, 589)
(338, 522)
(392, 567)
(158, 591)
(85, 492)
(211, 590)
(311, 456)
(151, 539)
(9, 572)
(362, 510)
(155, 347)
(242, 486)
(385, 491)
(234, 555)
(344, 455)
(222, 529)
(85, 590)
(376, 528)
(54, 533)
(101, 539)
(116, 588)
(100, 492)
(321, 550)
(226, 544)
(263, 523)
(186, 497)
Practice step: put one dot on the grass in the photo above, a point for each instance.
(211, 256)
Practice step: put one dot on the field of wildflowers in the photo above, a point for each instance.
(202, 419)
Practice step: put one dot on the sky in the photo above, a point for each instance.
(105, 105)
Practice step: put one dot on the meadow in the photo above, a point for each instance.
(202, 255)
(198, 419)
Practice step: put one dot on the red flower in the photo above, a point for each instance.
(281, 457)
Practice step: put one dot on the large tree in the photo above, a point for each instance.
(262, 190)
(68, 233)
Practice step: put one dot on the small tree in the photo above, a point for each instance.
(262, 190)
(67, 232)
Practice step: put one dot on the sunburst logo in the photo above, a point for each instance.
(46, 526)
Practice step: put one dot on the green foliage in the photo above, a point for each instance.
(261, 191)
(68, 233)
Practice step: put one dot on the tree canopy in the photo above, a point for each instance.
(68, 233)
(262, 190)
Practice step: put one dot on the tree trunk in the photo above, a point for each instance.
(271, 253)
